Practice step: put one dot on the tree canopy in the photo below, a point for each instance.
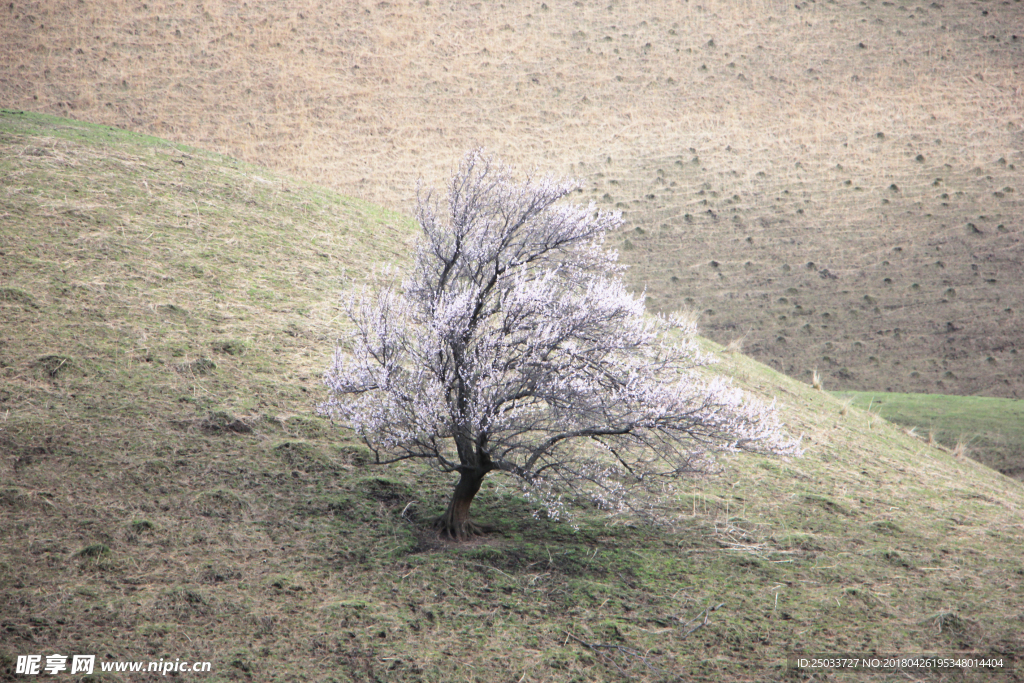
(514, 346)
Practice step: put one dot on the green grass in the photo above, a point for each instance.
(168, 492)
(991, 429)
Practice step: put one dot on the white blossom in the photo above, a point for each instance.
(514, 345)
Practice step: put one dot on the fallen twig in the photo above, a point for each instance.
(628, 651)
(704, 613)
(620, 648)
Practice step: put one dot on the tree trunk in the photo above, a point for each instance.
(455, 523)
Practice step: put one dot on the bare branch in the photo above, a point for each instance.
(514, 345)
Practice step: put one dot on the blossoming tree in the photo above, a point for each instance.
(514, 347)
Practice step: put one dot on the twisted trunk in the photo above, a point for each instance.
(455, 522)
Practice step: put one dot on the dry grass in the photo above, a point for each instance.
(167, 491)
(743, 133)
(734, 346)
(366, 97)
(874, 140)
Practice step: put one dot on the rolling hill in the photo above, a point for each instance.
(836, 183)
(167, 492)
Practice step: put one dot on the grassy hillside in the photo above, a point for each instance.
(837, 182)
(167, 493)
(990, 430)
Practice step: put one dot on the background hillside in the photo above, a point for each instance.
(166, 491)
(836, 183)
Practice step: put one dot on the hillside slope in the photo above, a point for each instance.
(838, 182)
(990, 430)
(167, 492)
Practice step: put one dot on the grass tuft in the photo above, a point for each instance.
(13, 295)
(95, 550)
(200, 366)
(56, 366)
